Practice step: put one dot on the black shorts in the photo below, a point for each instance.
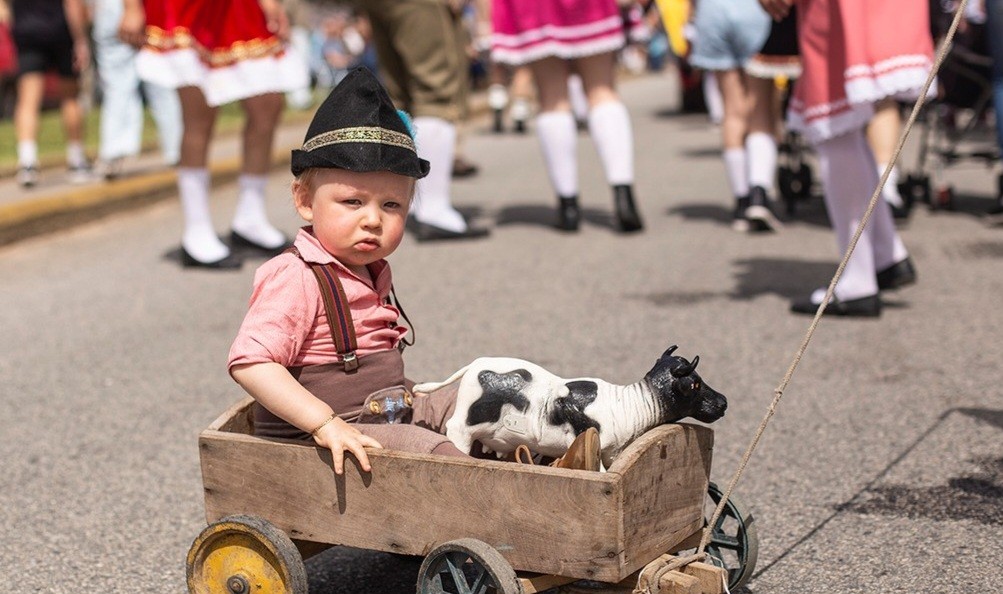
(42, 55)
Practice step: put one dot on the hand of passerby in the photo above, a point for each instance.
(132, 27)
(340, 437)
(276, 18)
(81, 55)
(777, 9)
(4, 13)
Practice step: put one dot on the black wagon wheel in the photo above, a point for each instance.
(734, 542)
(467, 566)
(244, 555)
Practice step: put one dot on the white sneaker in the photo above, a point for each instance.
(112, 168)
(80, 174)
(27, 176)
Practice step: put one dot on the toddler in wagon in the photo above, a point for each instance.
(319, 347)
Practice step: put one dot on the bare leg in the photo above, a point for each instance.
(883, 133)
(30, 87)
(200, 244)
(250, 226)
(611, 131)
(262, 116)
(198, 120)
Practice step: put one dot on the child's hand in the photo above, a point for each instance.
(340, 437)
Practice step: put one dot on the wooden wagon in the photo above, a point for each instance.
(496, 526)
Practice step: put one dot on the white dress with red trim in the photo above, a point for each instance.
(525, 31)
(222, 46)
(854, 53)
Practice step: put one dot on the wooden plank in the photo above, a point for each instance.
(677, 582)
(712, 578)
(236, 419)
(664, 487)
(541, 582)
(542, 519)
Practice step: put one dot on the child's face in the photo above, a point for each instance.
(358, 217)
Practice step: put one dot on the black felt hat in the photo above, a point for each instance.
(358, 128)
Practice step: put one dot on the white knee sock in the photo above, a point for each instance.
(712, 97)
(888, 246)
(736, 166)
(27, 153)
(251, 219)
(890, 192)
(559, 141)
(761, 150)
(199, 238)
(436, 140)
(849, 177)
(75, 154)
(609, 125)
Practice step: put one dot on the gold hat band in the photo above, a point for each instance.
(361, 134)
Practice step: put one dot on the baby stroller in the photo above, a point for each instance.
(794, 175)
(955, 126)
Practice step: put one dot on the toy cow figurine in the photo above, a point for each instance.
(505, 402)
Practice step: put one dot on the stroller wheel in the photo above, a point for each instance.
(916, 188)
(945, 198)
(803, 178)
(786, 185)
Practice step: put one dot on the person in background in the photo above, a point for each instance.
(728, 34)
(199, 48)
(556, 38)
(49, 35)
(855, 53)
(121, 128)
(422, 51)
(994, 33)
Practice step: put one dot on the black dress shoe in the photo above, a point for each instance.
(428, 232)
(627, 217)
(568, 214)
(896, 276)
(760, 212)
(228, 262)
(239, 241)
(862, 307)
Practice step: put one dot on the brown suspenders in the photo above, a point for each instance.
(339, 316)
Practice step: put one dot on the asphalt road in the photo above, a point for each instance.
(882, 470)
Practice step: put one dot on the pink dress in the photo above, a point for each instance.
(525, 31)
(854, 53)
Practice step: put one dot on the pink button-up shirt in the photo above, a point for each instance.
(286, 322)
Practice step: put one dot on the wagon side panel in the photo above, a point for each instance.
(664, 488)
(544, 520)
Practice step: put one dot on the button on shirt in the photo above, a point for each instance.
(286, 322)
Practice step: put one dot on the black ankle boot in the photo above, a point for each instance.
(568, 213)
(627, 216)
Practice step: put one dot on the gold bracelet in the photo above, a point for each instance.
(321, 426)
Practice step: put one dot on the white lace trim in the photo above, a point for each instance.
(243, 79)
(559, 49)
(567, 33)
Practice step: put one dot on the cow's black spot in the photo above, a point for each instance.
(571, 408)
(497, 390)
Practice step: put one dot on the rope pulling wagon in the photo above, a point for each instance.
(272, 502)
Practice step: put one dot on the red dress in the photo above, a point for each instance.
(854, 53)
(222, 46)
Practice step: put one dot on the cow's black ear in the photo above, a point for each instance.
(669, 351)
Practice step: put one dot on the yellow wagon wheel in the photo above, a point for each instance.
(244, 555)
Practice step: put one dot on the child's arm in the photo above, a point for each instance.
(276, 389)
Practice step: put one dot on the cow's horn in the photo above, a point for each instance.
(671, 350)
(687, 369)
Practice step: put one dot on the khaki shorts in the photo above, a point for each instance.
(421, 45)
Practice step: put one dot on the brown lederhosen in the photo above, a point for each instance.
(346, 385)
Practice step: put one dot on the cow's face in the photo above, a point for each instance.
(682, 392)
